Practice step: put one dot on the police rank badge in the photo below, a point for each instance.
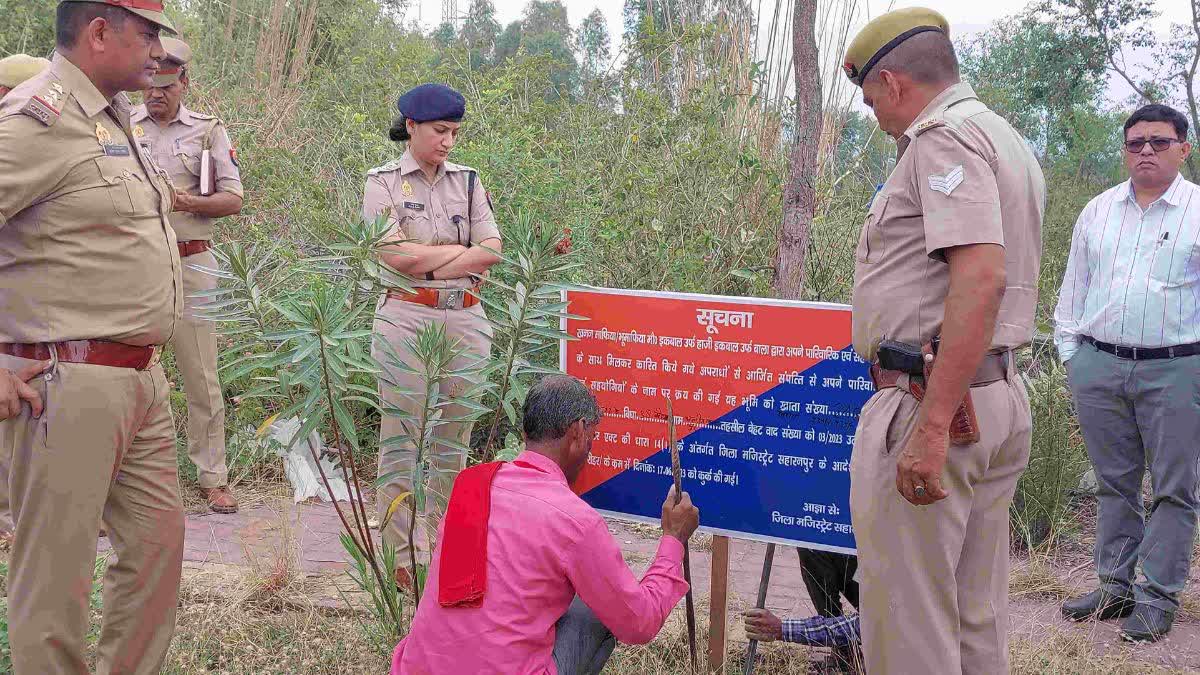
(138, 131)
(406, 189)
(946, 184)
(102, 135)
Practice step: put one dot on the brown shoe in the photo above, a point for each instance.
(220, 499)
(403, 579)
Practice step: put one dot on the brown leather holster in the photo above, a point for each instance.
(964, 427)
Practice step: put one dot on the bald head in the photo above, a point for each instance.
(927, 58)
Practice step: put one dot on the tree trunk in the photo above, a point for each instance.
(229, 20)
(800, 193)
(1190, 83)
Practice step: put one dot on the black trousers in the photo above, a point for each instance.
(829, 577)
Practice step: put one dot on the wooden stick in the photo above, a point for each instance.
(718, 604)
(676, 471)
(752, 649)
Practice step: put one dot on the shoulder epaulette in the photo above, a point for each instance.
(202, 116)
(46, 105)
(386, 168)
(458, 167)
(929, 124)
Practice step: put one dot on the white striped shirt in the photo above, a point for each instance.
(1133, 276)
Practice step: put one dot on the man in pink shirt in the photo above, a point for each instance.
(554, 594)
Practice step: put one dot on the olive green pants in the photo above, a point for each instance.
(103, 450)
(195, 345)
(397, 321)
(933, 590)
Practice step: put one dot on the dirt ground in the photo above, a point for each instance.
(271, 537)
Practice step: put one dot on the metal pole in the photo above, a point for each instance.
(676, 471)
(752, 649)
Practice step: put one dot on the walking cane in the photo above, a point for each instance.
(687, 564)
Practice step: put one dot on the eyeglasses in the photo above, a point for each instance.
(1156, 144)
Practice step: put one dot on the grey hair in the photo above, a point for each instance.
(554, 404)
(928, 58)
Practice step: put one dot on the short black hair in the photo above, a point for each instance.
(554, 404)
(399, 130)
(73, 17)
(928, 58)
(1157, 112)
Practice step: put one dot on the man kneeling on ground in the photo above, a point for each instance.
(526, 578)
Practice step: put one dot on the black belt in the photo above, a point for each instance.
(1143, 353)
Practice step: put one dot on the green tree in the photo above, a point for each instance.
(28, 28)
(480, 32)
(593, 42)
(1038, 77)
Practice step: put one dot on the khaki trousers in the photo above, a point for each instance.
(195, 345)
(934, 579)
(196, 354)
(103, 449)
(397, 321)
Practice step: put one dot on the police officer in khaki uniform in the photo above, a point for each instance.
(17, 68)
(947, 265)
(14, 70)
(89, 293)
(447, 238)
(206, 188)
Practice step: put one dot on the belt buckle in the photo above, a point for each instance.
(450, 298)
(155, 357)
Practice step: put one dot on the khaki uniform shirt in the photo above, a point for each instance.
(177, 147)
(434, 213)
(963, 176)
(86, 251)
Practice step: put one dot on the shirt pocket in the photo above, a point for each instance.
(131, 193)
(458, 223)
(190, 162)
(416, 226)
(1170, 267)
(870, 239)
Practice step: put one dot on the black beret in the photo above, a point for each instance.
(429, 102)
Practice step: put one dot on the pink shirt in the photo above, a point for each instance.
(545, 545)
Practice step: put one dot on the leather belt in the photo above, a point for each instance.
(993, 369)
(1143, 353)
(94, 352)
(440, 298)
(193, 246)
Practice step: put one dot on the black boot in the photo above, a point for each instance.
(1147, 624)
(1099, 604)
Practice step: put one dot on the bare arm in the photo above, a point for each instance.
(216, 205)
(476, 260)
(977, 283)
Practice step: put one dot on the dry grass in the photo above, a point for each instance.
(1058, 652)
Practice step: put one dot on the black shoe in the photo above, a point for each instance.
(1099, 604)
(1147, 624)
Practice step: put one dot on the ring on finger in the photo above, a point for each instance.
(919, 491)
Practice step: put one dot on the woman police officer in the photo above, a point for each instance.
(446, 238)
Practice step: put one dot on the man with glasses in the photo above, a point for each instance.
(1128, 328)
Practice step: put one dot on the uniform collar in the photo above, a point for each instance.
(184, 116)
(408, 164)
(543, 464)
(86, 93)
(1173, 195)
(955, 93)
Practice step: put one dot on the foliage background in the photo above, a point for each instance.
(663, 149)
